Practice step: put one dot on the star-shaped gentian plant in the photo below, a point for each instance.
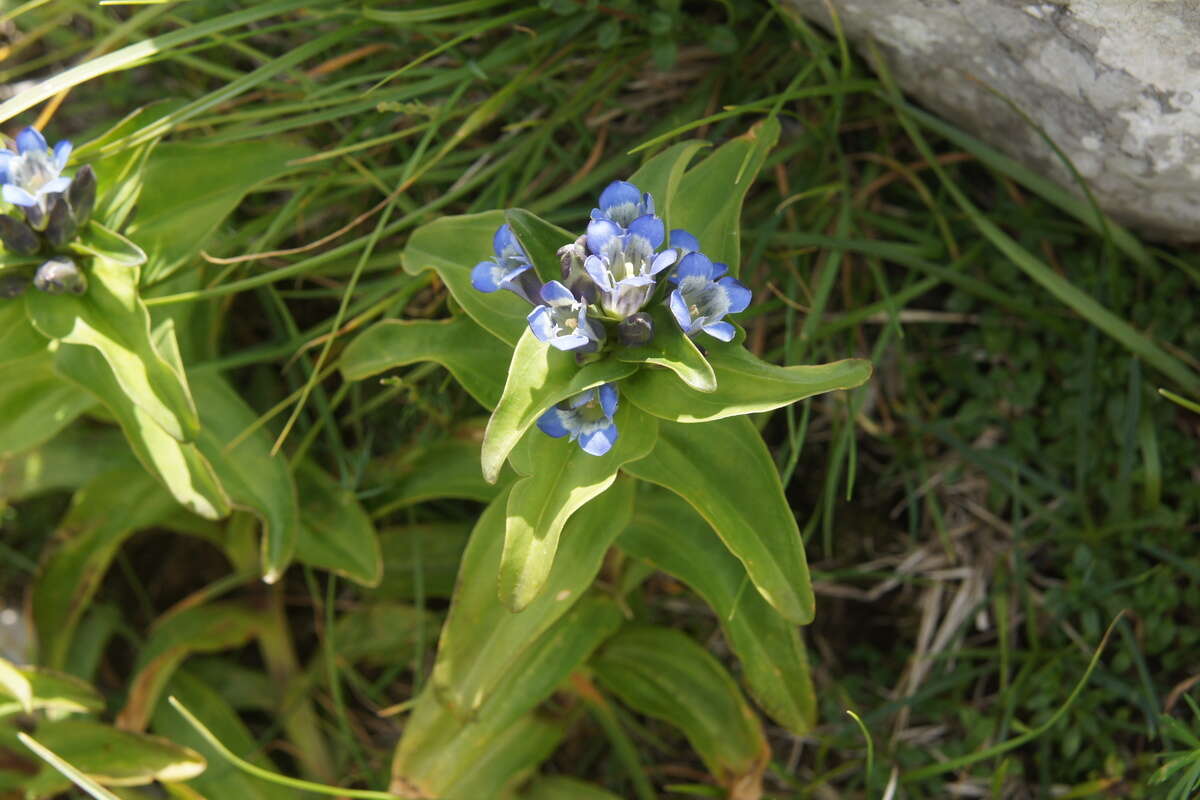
(33, 174)
(587, 418)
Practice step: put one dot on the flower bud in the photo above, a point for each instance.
(636, 330)
(82, 195)
(60, 228)
(18, 237)
(60, 275)
(571, 257)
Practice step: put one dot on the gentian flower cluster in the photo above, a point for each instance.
(53, 208)
(611, 276)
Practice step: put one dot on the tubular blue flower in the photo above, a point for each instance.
(562, 322)
(623, 265)
(510, 269)
(700, 303)
(621, 203)
(587, 418)
(33, 174)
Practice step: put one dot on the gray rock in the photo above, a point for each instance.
(1115, 83)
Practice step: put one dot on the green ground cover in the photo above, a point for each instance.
(976, 516)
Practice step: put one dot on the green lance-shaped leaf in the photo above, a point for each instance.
(715, 189)
(109, 756)
(421, 559)
(112, 319)
(18, 338)
(222, 779)
(538, 377)
(560, 479)
(36, 403)
(197, 629)
(745, 385)
(661, 176)
(190, 188)
(474, 357)
(540, 240)
(561, 787)
(15, 684)
(443, 468)
(671, 349)
(664, 674)
(726, 473)
(443, 755)
(102, 516)
(452, 246)
(381, 635)
(66, 462)
(482, 640)
(48, 690)
(179, 465)
(668, 534)
(335, 532)
(119, 174)
(255, 479)
(109, 245)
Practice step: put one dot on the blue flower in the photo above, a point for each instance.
(701, 300)
(622, 203)
(33, 174)
(510, 269)
(562, 322)
(586, 417)
(623, 263)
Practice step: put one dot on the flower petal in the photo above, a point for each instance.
(680, 311)
(572, 341)
(17, 196)
(600, 232)
(650, 228)
(556, 294)
(719, 269)
(684, 242)
(597, 443)
(693, 264)
(721, 330)
(541, 323)
(59, 184)
(551, 424)
(661, 261)
(619, 193)
(484, 276)
(30, 139)
(598, 273)
(62, 151)
(503, 239)
(739, 295)
(608, 399)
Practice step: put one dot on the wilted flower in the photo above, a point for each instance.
(572, 257)
(621, 203)
(33, 175)
(587, 418)
(562, 322)
(636, 330)
(510, 269)
(700, 301)
(624, 263)
(60, 275)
